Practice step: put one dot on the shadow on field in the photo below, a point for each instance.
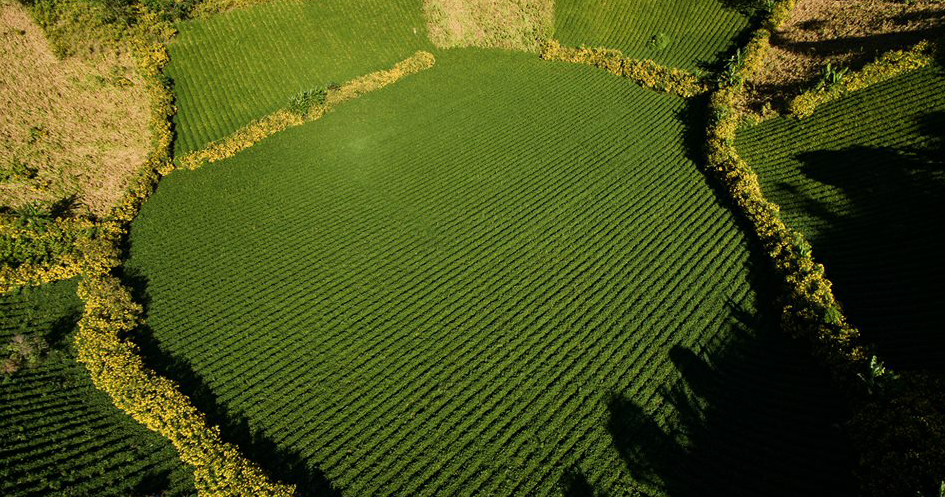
(283, 464)
(750, 416)
(154, 483)
(883, 250)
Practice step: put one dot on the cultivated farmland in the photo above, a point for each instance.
(231, 69)
(495, 247)
(862, 178)
(688, 34)
(455, 298)
(58, 435)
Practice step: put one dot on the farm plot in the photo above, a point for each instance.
(688, 34)
(501, 275)
(863, 179)
(232, 68)
(58, 435)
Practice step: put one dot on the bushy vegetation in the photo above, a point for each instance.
(898, 432)
(59, 436)
(645, 73)
(446, 295)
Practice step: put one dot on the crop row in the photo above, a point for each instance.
(458, 272)
(688, 34)
(858, 178)
(57, 434)
(235, 67)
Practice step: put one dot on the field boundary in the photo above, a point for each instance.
(644, 72)
(896, 426)
(285, 118)
(113, 362)
(887, 66)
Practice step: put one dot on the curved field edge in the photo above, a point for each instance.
(897, 426)
(464, 308)
(861, 180)
(58, 435)
(233, 68)
(109, 314)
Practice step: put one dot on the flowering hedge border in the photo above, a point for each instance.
(66, 232)
(885, 67)
(644, 72)
(898, 425)
(282, 119)
(114, 364)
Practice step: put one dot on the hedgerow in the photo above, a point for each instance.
(885, 67)
(646, 73)
(897, 430)
(113, 362)
(300, 112)
(39, 250)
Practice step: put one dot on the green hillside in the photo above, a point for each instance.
(235, 67)
(689, 34)
(863, 179)
(498, 276)
(58, 435)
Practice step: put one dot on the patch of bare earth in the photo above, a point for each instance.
(847, 33)
(508, 24)
(76, 127)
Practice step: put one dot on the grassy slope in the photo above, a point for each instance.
(232, 68)
(60, 436)
(699, 31)
(861, 180)
(476, 279)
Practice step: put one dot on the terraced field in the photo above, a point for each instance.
(500, 275)
(58, 435)
(689, 34)
(863, 179)
(232, 68)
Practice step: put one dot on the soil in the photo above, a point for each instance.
(845, 33)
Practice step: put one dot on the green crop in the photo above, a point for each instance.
(439, 287)
(862, 179)
(59, 436)
(235, 67)
(688, 34)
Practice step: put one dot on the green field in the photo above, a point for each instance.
(498, 276)
(688, 34)
(863, 179)
(235, 67)
(58, 435)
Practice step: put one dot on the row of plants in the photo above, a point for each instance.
(306, 106)
(113, 362)
(834, 82)
(897, 428)
(645, 72)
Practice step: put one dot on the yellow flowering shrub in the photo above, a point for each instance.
(114, 364)
(646, 73)
(898, 431)
(282, 119)
(887, 66)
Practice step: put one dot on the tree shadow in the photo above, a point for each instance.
(58, 335)
(750, 415)
(883, 249)
(574, 483)
(282, 463)
(153, 484)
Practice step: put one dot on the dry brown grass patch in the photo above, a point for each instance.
(74, 127)
(508, 24)
(848, 33)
